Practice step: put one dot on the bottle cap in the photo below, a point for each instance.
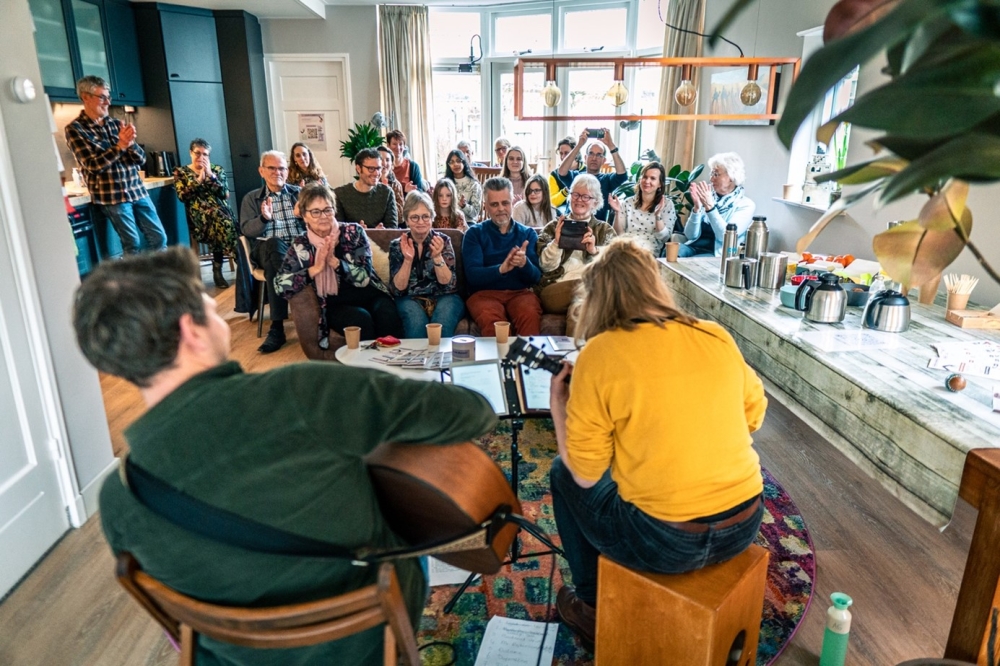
(730, 227)
(841, 600)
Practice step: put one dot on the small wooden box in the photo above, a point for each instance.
(972, 319)
(692, 619)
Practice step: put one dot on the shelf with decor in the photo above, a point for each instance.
(799, 204)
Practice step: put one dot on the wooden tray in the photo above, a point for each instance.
(972, 319)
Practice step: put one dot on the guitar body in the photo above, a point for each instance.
(431, 493)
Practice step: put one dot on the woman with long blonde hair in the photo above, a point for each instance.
(515, 169)
(656, 467)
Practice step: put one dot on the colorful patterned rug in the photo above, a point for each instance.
(522, 590)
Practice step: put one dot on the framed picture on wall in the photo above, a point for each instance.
(726, 87)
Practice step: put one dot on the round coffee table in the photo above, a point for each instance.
(486, 349)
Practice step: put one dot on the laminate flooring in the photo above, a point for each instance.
(902, 573)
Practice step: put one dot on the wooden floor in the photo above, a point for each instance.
(902, 573)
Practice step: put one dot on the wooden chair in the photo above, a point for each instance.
(258, 274)
(484, 173)
(295, 625)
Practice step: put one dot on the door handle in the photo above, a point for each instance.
(175, 76)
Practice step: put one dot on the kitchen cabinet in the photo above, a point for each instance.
(75, 38)
(190, 45)
(208, 123)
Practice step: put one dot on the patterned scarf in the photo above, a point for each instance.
(326, 280)
(725, 203)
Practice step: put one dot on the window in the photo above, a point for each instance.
(650, 29)
(524, 133)
(458, 115)
(586, 91)
(451, 34)
(594, 28)
(527, 32)
(644, 97)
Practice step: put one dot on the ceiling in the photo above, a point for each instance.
(311, 9)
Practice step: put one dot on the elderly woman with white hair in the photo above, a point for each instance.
(715, 205)
(562, 266)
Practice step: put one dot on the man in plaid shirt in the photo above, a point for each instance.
(270, 222)
(106, 151)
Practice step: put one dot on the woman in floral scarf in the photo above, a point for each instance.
(715, 205)
(337, 259)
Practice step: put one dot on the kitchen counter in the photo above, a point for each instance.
(882, 407)
(79, 196)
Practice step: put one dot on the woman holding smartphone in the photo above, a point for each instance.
(567, 244)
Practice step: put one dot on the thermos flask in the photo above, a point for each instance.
(756, 237)
(729, 246)
(838, 629)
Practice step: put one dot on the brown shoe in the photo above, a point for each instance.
(578, 615)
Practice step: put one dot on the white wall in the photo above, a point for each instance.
(350, 30)
(767, 160)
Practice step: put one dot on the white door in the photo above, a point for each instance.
(32, 508)
(307, 92)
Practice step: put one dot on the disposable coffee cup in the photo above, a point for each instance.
(502, 331)
(463, 348)
(672, 249)
(142, 175)
(957, 301)
(353, 336)
(433, 334)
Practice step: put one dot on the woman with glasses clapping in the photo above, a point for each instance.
(337, 259)
(422, 272)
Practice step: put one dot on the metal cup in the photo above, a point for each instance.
(772, 269)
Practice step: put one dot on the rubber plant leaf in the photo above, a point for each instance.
(969, 157)
(832, 62)
(849, 16)
(865, 172)
(947, 208)
(674, 170)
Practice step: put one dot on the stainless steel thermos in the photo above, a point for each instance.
(729, 246)
(741, 273)
(756, 237)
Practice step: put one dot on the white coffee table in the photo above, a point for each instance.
(486, 349)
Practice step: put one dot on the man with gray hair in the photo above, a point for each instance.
(501, 266)
(270, 221)
(110, 159)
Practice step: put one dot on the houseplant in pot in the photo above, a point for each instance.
(362, 136)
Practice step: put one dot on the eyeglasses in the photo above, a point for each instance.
(716, 173)
(371, 169)
(576, 196)
(533, 190)
(419, 218)
(274, 169)
(320, 212)
(200, 153)
(601, 155)
(103, 98)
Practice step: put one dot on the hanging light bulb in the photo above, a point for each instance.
(551, 93)
(618, 93)
(751, 94)
(686, 93)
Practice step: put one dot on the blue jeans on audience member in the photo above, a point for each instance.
(130, 218)
(595, 521)
(448, 312)
(692, 251)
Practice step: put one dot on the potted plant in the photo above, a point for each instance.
(938, 118)
(361, 137)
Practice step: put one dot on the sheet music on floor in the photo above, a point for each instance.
(509, 642)
(442, 573)
(415, 359)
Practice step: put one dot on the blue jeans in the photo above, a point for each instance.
(130, 218)
(692, 251)
(597, 521)
(448, 312)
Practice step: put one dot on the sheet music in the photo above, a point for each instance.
(484, 378)
(442, 573)
(510, 642)
(535, 384)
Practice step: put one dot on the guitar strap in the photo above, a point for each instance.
(230, 528)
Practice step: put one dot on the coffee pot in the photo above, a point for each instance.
(741, 273)
(887, 310)
(824, 301)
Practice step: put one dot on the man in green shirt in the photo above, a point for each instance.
(284, 448)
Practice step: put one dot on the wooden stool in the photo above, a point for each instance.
(709, 617)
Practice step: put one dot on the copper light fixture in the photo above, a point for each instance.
(750, 94)
(686, 93)
(618, 93)
(551, 93)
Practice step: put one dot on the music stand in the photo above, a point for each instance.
(517, 411)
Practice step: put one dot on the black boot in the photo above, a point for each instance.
(217, 276)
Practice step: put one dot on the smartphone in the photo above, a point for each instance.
(595, 133)
(571, 237)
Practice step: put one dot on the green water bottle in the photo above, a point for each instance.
(838, 629)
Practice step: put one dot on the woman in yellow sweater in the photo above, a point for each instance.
(656, 468)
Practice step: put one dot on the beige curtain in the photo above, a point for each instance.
(675, 138)
(405, 79)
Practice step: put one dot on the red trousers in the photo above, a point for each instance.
(520, 307)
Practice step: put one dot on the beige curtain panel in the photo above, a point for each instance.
(675, 139)
(405, 79)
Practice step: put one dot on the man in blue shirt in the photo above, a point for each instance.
(596, 155)
(501, 266)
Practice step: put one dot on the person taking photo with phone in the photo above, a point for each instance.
(597, 145)
(567, 244)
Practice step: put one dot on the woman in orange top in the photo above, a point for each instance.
(665, 486)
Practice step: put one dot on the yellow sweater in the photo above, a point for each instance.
(670, 411)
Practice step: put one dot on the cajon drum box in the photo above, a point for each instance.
(709, 617)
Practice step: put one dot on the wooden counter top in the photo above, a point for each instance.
(79, 196)
(881, 407)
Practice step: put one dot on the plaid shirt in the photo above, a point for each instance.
(283, 223)
(112, 175)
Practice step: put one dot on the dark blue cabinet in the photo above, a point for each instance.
(123, 51)
(190, 45)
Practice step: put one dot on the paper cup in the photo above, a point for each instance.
(433, 334)
(957, 301)
(672, 249)
(463, 348)
(502, 331)
(353, 336)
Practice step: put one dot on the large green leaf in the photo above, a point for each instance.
(849, 16)
(865, 172)
(973, 157)
(831, 63)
